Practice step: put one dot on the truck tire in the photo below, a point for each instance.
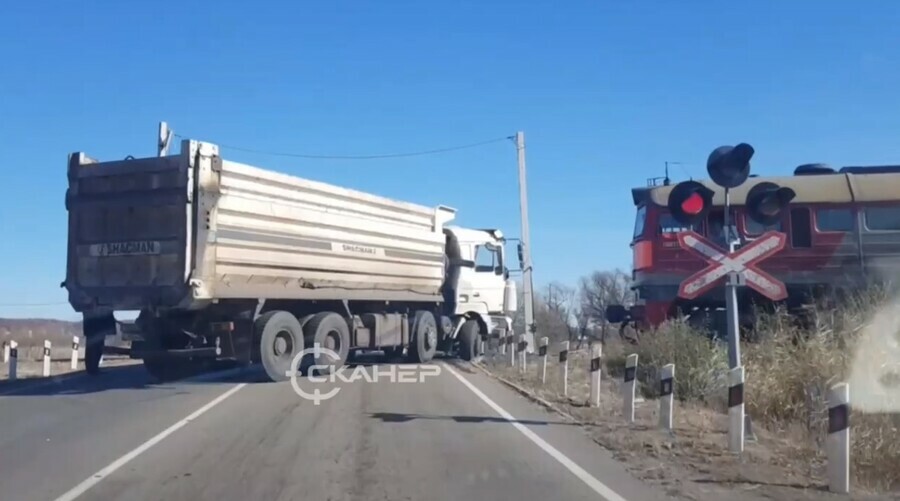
(328, 330)
(280, 340)
(468, 341)
(424, 338)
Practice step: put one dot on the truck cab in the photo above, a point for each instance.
(477, 282)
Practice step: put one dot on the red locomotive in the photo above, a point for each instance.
(842, 227)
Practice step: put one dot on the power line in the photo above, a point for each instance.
(360, 157)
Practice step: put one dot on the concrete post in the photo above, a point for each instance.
(74, 352)
(542, 352)
(736, 410)
(596, 353)
(46, 359)
(564, 367)
(629, 387)
(838, 442)
(666, 396)
(13, 360)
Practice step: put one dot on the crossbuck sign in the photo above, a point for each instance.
(741, 262)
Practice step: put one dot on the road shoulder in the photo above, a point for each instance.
(573, 442)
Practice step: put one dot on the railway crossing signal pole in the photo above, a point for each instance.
(690, 202)
(731, 304)
(729, 167)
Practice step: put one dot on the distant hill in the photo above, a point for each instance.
(29, 332)
(33, 331)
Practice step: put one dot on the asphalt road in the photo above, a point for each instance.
(456, 435)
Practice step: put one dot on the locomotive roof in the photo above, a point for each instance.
(838, 187)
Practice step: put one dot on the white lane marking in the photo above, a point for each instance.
(591, 481)
(122, 461)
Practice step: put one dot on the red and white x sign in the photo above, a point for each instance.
(742, 262)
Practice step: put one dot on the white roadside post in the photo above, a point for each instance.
(666, 396)
(629, 386)
(523, 355)
(46, 371)
(74, 352)
(510, 340)
(564, 367)
(13, 359)
(5, 351)
(502, 342)
(736, 410)
(542, 352)
(596, 353)
(838, 442)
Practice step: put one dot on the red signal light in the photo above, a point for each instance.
(689, 201)
(693, 204)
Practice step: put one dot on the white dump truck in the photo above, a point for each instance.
(225, 261)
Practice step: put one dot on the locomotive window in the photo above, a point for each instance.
(834, 219)
(751, 227)
(716, 227)
(639, 221)
(668, 224)
(883, 218)
(801, 230)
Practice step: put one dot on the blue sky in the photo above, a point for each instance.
(605, 92)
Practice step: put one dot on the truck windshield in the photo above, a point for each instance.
(639, 221)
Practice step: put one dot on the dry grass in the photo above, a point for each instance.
(789, 371)
(693, 462)
(700, 364)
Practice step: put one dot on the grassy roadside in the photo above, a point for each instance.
(788, 373)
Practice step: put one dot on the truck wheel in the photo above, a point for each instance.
(424, 339)
(280, 340)
(468, 340)
(330, 331)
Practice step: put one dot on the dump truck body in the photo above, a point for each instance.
(183, 230)
(208, 250)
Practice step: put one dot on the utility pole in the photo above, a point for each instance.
(164, 140)
(527, 284)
